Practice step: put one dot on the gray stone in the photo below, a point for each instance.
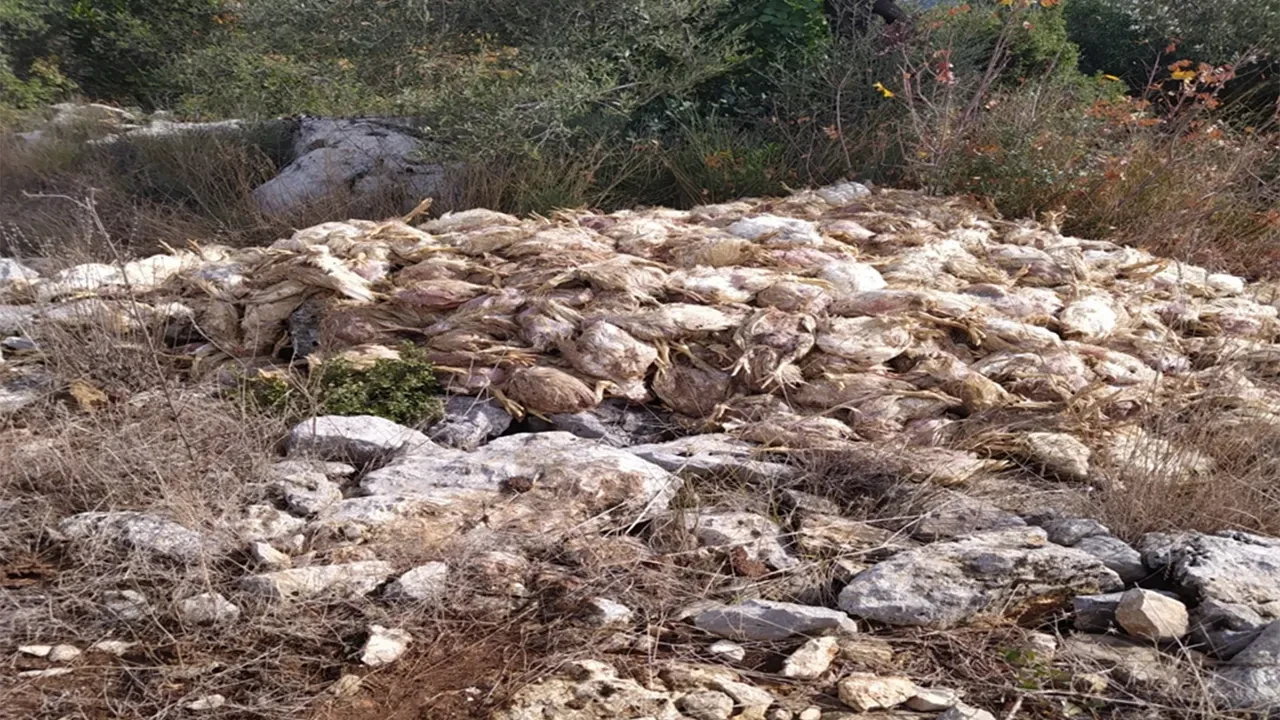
(945, 584)
(359, 439)
(1231, 567)
(268, 557)
(126, 604)
(1151, 616)
(728, 650)
(129, 530)
(714, 456)
(933, 700)
(421, 584)
(384, 645)
(727, 530)
(586, 476)
(770, 620)
(13, 272)
(1115, 554)
(607, 612)
(469, 422)
(706, 705)
(1251, 679)
(821, 534)
(263, 522)
(354, 579)
(811, 659)
(865, 691)
(16, 319)
(20, 390)
(1095, 613)
(308, 492)
(614, 422)
(1224, 629)
(1069, 531)
(589, 690)
(948, 515)
(364, 158)
(208, 609)
(966, 712)
(1128, 661)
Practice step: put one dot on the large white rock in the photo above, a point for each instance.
(137, 531)
(770, 620)
(356, 578)
(757, 535)
(944, 584)
(358, 439)
(421, 584)
(362, 157)
(1151, 616)
(1230, 567)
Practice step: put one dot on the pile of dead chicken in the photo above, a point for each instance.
(840, 317)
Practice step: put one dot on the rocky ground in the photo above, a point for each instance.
(847, 454)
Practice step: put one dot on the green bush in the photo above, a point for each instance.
(404, 390)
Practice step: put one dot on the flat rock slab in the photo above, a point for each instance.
(1252, 678)
(138, 531)
(946, 584)
(1231, 567)
(592, 475)
(1129, 661)
(713, 455)
(358, 439)
(356, 578)
(769, 620)
(469, 423)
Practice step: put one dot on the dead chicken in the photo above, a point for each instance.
(770, 342)
(545, 391)
(691, 385)
(795, 296)
(866, 340)
(727, 285)
(608, 352)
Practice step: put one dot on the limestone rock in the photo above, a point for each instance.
(1115, 554)
(948, 515)
(356, 578)
(112, 647)
(1150, 615)
(208, 609)
(864, 691)
(706, 705)
(607, 612)
(614, 422)
(138, 531)
(811, 659)
(731, 651)
(1224, 629)
(770, 620)
(263, 522)
(362, 157)
(469, 422)
(713, 455)
(206, 702)
(589, 690)
(1095, 613)
(1231, 567)
(933, 700)
(966, 712)
(1128, 661)
(822, 534)
(1069, 531)
(1251, 679)
(359, 439)
(268, 557)
(307, 492)
(384, 645)
(948, 583)
(421, 584)
(586, 477)
(754, 533)
(126, 604)
(63, 653)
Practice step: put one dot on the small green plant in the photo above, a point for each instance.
(402, 390)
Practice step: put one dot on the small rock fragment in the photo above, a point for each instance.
(46, 673)
(1152, 616)
(355, 578)
(112, 647)
(36, 650)
(345, 686)
(269, 557)
(811, 659)
(770, 620)
(384, 645)
(207, 702)
(63, 653)
(966, 712)
(865, 691)
(812, 713)
(208, 609)
(263, 522)
(607, 612)
(728, 650)
(126, 604)
(706, 705)
(933, 700)
(423, 583)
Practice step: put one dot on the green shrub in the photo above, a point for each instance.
(404, 390)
